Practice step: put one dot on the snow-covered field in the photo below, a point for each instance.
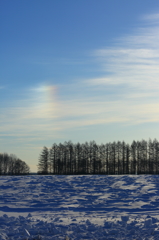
(79, 207)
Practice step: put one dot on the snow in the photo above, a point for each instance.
(79, 207)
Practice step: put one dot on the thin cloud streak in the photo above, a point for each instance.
(127, 93)
(151, 18)
(80, 114)
(134, 60)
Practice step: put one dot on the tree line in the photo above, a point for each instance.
(139, 157)
(11, 165)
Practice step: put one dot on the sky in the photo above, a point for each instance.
(77, 70)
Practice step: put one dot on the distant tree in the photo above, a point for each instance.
(127, 158)
(140, 157)
(43, 161)
(11, 165)
(156, 155)
(102, 164)
(113, 158)
(1, 163)
(133, 158)
(93, 154)
(143, 157)
(78, 157)
(150, 156)
(53, 158)
(118, 152)
(20, 167)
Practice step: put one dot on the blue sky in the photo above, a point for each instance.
(77, 70)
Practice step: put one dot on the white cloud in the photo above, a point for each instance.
(133, 61)
(154, 18)
(127, 93)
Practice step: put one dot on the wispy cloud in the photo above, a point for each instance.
(130, 73)
(33, 116)
(135, 66)
(127, 93)
(134, 63)
(151, 18)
